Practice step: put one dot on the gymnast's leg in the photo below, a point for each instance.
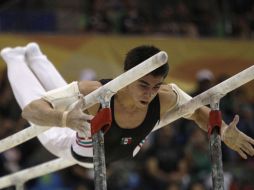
(42, 68)
(25, 86)
(50, 79)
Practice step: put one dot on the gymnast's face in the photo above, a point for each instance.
(145, 89)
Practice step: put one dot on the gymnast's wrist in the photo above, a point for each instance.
(64, 119)
(222, 130)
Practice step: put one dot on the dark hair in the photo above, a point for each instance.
(139, 54)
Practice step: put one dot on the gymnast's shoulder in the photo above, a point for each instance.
(171, 96)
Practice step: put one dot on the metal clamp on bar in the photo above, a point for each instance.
(101, 121)
(215, 120)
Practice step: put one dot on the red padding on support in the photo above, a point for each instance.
(101, 121)
(215, 120)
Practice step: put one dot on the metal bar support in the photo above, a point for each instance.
(215, 121)
(100, 178)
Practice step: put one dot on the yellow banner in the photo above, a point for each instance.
(105, 54)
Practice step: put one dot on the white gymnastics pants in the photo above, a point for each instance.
(31, 74)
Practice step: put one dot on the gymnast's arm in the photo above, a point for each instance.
(230, 135)
(41, 112)
(53, 109)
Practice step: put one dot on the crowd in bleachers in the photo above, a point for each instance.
(219, 18)
(175, 157)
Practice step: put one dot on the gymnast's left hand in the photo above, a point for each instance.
(237, 140)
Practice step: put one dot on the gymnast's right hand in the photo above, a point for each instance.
(77, 120)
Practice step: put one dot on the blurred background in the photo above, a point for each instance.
(207, 42)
